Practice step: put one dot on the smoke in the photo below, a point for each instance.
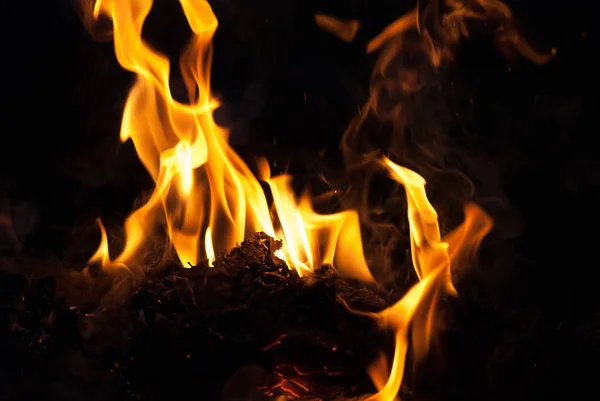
(412, 117)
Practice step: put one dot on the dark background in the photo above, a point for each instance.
(290, 88)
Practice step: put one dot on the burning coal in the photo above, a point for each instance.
(207, 199)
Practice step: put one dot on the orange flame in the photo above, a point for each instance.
(204, 191)
(432, 259)
(344, 30)
(208, 199)
(436, 27)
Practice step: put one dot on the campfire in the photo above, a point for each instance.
(229, 281)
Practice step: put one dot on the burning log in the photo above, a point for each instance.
(182, 332)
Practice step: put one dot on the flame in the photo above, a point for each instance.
(204, 192)
(208, 199)
(378, 371)
(436, 28)
(97, 28)
(344, 30)
(101, 257)
(433, 258)
(432, 29)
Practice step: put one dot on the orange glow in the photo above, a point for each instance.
(344, 30)
(6, 224)
(449, 26)
(432, 29)
(378, 371)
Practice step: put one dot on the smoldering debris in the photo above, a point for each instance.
(185, 333)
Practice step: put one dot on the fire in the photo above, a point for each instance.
(432, 260)
(208, 199)
(204, 191)
(344, 30)
(439, 26)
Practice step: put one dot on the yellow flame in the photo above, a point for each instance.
(436, 27)
(432, 259)
(378, 371)
(204, 191)
(101, 256)
(208, 247)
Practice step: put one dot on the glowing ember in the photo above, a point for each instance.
(209, 200)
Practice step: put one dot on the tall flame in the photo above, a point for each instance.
(432, 259)
(204, 191)
(432, 29)
(208, 199)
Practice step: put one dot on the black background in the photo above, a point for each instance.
(63, 93)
